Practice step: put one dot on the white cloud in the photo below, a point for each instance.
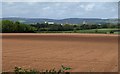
(113, 10)
(31, 3)
(60, 0)
(89, 7)
(0, 10)
(57, 4)
(10, 3)
(46, 8)
(61, 9)
(82, 6)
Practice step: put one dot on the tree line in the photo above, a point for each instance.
(16, 27)
(8, 26)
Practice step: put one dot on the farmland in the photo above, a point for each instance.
(82, 52)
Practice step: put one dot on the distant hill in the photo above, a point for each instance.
(62, 21)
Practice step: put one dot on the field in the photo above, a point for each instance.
(94, 31)
(81, 52)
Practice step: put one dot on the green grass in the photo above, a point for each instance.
(100, 31)
(19, 70)
(97, 31)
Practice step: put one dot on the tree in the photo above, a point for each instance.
(68, 27)
(15, 27)
(84, 27)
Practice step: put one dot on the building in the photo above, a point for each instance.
(84, 22)
(49, 22)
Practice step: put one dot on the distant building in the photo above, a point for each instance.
(49, 22)
(61, 24)
(46, 22)
(84, 22)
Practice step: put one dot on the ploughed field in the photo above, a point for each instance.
(81, 52)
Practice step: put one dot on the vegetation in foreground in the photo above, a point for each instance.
(16, 27)
(19, 70)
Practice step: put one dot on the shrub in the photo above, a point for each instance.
(111, 32)
(19, 70)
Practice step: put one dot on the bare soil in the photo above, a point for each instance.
(81, 52)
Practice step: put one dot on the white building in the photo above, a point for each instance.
(84, 22)
(49, 22)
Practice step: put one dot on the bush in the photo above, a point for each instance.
(111, 32)
(16, 27)
(19, 70)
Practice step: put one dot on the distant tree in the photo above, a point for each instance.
(0, 26)
(93, 26)
(68, 27)
(55, 27)
(85, 26)
(15, 27)
(7, 26)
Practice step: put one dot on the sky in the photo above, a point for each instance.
(59, 0)
(60, 10)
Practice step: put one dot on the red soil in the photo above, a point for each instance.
(82, 52)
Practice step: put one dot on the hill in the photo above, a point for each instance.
(62, 21)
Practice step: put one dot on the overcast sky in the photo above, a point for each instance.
(60, 10)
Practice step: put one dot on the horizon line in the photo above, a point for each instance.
(60, 18)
